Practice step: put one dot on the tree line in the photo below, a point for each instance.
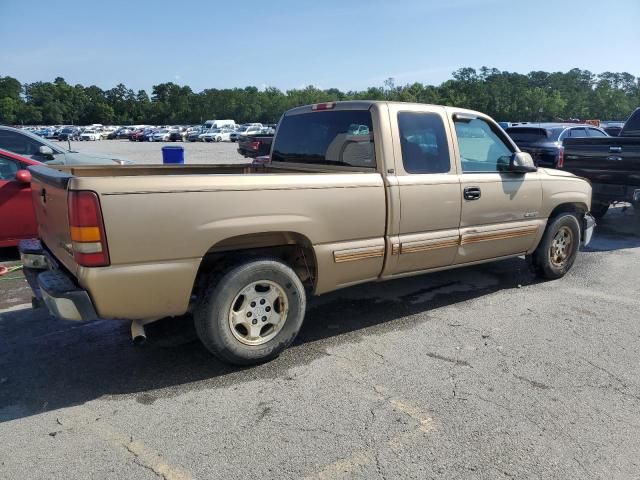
(536, 96)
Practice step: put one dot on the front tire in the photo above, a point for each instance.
(252, 312)
(558, 248)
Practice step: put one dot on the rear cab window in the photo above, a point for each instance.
(332, 137)
(423, 141)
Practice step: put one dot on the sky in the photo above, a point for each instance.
(289, 44)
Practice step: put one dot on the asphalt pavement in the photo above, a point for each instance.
(481, 372)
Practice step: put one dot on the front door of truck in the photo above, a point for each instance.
(500, 210)
(429, 189)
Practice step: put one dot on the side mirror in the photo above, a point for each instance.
(521, 162)
(46, 151)
(23, 176)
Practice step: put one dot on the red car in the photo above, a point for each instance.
(17, 217)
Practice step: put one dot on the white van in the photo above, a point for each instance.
(209, 124)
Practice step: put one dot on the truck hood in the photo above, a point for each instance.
(77, 158)
(556, 173)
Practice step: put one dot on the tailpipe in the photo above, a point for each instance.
(138, 335)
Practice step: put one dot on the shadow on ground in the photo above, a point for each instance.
(48, 364)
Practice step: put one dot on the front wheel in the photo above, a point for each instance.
(251, 313)
(558, 248)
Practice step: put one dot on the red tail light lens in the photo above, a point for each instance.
(323, 106)
(255, 145)
(88, 239)
(560, 157)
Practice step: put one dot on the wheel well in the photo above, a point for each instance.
(578, 208)
(292, 248)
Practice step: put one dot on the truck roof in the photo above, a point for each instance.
(366, 104)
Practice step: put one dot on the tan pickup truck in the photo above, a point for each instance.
(354, 192)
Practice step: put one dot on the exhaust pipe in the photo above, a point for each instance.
(138, 335)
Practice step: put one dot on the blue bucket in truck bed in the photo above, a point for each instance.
(173, 154)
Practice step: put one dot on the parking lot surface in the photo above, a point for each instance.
(480, 372)
(151, 152)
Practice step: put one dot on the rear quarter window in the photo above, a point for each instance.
(337, 137)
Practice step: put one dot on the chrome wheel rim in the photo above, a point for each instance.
(561, 246)
(258, 312)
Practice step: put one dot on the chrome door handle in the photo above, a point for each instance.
(615, 149)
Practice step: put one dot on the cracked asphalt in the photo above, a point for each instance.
(481, 372)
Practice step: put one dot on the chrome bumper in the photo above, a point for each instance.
(588, 226)
(53, 287)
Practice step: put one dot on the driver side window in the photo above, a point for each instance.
(481, 148)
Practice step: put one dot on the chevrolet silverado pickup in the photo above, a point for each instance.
(354, 192)
(611, 164)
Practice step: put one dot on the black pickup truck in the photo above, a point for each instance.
(611, 164)
(252, 146)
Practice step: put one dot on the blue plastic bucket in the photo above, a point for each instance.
(173, 154)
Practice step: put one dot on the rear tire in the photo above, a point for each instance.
(252, 312)
(558, 248)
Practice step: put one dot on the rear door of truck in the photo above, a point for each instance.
(49, 194)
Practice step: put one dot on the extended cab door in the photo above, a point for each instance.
(428, 185)
(500, 210)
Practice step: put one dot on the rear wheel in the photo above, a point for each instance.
(251, 313)
(558, 248)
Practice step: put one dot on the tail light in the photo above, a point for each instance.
(560, 163)
(255, 145)
(89, 242)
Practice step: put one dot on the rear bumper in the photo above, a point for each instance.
(53, 287)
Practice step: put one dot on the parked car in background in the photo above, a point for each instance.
(217, 135)
(147, 135)
(544, 140)
(194, 133)
(136, 135)
(161, 135)
(90, 135)
(611, 164)
(17, 216)
(69, 133)
(252, 146)
(45, 133)
(209, 124)
(178, 134)
(28, 145)
(245, 130)
(613, 129)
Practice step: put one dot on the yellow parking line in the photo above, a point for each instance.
(83, 419)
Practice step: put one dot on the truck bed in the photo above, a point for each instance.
(160, 221)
